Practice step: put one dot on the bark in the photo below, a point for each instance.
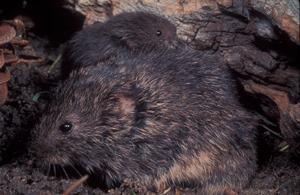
(258, 39)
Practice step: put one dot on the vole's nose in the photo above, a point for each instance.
(31, 148)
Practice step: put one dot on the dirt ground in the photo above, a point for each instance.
(21, 172)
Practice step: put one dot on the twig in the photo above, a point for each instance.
(75, 185)
(277, 183)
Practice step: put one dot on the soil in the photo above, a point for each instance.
(22, 173)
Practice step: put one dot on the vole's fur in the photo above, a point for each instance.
(170, 119)
(126, 31)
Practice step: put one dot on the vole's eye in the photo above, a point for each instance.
(158, 33)
(66, 127)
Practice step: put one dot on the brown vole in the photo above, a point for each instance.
(129, 31)
(170, 119)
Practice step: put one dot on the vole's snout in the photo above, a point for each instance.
(37, 148)
(44, 151)
(31, 149)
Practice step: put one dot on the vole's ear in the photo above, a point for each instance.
(131, 43)
(124, 104)
(124, 37)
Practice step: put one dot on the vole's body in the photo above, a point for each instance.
(126, 31)
(172, 119)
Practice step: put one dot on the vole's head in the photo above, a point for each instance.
(87, 124)
(139, 29)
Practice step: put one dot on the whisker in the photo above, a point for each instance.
(75, 169)
(54, 169)
(65, 171)
(89, 170)
(49, 167)
(92, 171)
(43, 164)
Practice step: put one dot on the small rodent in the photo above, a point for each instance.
(130, 31)
(170, 119)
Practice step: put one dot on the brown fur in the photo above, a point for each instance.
(170, 119)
